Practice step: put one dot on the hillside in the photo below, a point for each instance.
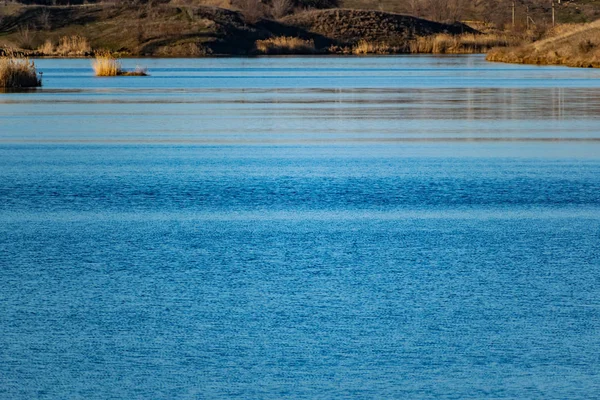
(169, 30)
(571, 45)
(350, 26)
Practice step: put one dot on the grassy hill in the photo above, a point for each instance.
(571, 45)
(172, 30)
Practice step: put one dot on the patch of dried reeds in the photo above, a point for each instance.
(68, 46)
(367, 47)
(73, 46)
(285, 45)
(105, 64)
(18, 73)
(467, 43)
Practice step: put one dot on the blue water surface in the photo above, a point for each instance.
(260, 228)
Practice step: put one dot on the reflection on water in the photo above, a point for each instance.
(253, 101)
(369, 227)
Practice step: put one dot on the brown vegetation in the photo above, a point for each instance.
(107, 65)
(573, 45)
(467, 43)
(281, 8)
(18, 73)
(193, 31)
(498, 13)
(68, 46)
(348, 27)
(442, 43)
(285, 45)
(366, 47)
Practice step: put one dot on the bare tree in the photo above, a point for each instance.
(44, 19)
(281, 8)
(253, 10)
(25, 37)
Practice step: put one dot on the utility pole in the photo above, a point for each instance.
(513, 15)
(527, 10)
(553, 16)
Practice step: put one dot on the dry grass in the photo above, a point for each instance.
(47, 49)
(367, 47)
(106, 65)
(18, 73)
(437, 44)
(572, 45)
(68, 46)
(73, 46)
(467, 43)
(285, 45)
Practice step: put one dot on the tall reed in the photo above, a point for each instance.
(105, 64)
(68, 46)
(285, 45)
(367, 47)
(467, 43)
(73, 46)
(18, 73)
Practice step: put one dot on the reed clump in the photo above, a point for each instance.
(105, 64)
(285, 45)
(18, 73)
(467, 43)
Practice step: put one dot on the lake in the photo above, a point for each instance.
(301, 227)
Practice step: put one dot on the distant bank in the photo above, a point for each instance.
(167, 30)
(576, 45)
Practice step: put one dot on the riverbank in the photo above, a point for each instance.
(570, 45)
(176, 31)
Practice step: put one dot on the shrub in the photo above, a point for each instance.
(585, 46)
(281, 8)
(253, 10)
(18, 73)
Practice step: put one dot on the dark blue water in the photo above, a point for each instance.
(396, 227)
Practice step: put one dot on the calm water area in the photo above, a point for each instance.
(410, 227)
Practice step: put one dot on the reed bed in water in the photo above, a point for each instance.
(18, 73)
(106, 64)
